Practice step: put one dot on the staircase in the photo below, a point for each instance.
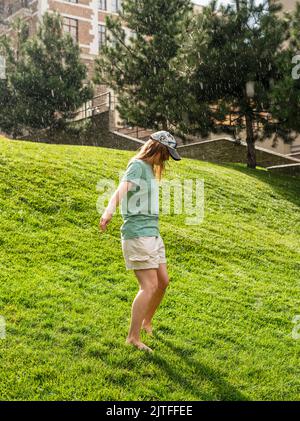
(97, 105)
(106, 102)
(136, 132)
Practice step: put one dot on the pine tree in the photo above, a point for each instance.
(140, 68)
(12, 108)
(233, 61)
(45, 78)
(286, 93)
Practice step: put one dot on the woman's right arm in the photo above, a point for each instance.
(114, 202)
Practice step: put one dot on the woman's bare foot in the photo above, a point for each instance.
(139, 345)
(147, 327)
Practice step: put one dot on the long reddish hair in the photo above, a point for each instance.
(149, 150)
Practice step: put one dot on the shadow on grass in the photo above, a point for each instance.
(285, 185)
(224, 390)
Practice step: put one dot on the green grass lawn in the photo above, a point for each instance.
(224, 329)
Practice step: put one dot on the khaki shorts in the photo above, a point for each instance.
(143, 252)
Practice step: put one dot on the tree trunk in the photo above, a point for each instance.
(165, 124)
(251, 155)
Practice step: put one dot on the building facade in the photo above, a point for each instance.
(288, 5)
(83, 19)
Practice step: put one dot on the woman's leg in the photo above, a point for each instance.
(148, 285)
(163, 282)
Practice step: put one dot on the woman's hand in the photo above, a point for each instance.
(104, 220)
(124, 186)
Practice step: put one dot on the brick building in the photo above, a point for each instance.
(83, 19)
(288, 5)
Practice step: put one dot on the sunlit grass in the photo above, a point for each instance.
(224, 329)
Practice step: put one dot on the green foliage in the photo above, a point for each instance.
(78, 128)
(188, 71)
(294, 20)
(229, 48)
(45, 77)
(233, 59)
(286, 93)
(224, 328)
(140, 69)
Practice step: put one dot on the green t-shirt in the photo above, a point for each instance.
(140, 205)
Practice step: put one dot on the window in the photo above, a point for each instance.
(71, 26)
(113, 40)
(72, 1)
(102, 4)
(2, 67)
(115, 5)
(133, 34)
(129, 34)
(102, 35)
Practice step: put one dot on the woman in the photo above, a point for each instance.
(142, 245)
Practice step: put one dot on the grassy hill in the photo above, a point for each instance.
(224, 329)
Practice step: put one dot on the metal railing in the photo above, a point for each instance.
(98, 104)
(134, 131)
(106, 102)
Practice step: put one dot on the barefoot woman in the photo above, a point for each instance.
(142, 246)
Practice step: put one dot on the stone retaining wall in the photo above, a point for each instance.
(227, 150)
(97, 133)
(290, 169)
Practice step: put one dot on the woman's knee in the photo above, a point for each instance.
(148, 281)
(151, 286)
(163, 282)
